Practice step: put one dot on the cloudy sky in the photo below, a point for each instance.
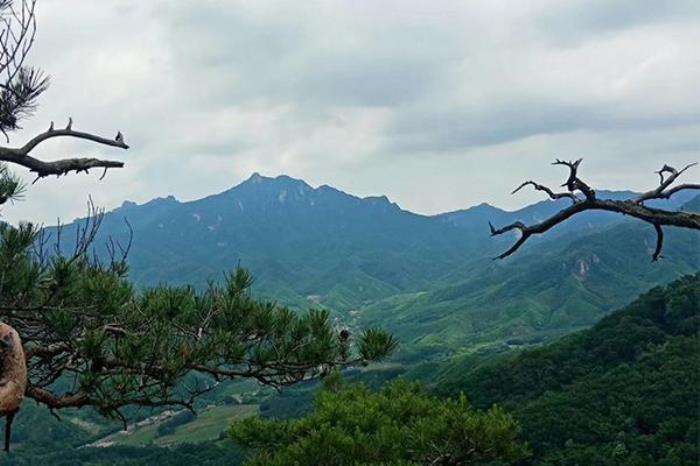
(437, 104)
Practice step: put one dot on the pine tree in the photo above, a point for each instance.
(89, 337)
(397, 425)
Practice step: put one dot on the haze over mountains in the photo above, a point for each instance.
(430, 279)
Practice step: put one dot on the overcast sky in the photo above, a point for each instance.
(438, 104)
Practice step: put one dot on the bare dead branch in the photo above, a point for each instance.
(552, 195)
(659, 242)
(574, 183)
(513, 226)
(17, 37)
(662, 191)
(116, 251)
(21, 156)
(118, 141)
(633, 208)
(681, 187)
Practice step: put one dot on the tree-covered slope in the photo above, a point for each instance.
(554, 287)
(304, 245)
(624, 392)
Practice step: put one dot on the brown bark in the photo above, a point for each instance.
(13, 379)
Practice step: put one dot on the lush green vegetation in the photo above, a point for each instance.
(565, 284)
(422, 288)
(92, 340)
(621, 393)
(624, 392)
(398, 424)
(317, 245)
(222, 453)
(105, 348)
(130, 347)
(481, 310)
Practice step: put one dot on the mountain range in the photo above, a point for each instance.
(429, 279)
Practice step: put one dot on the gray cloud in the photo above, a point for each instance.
(568, 23)
(437, 104)
(459, 128)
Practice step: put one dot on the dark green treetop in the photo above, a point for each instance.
(398, 425)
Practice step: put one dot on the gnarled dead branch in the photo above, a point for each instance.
(20, 87)
(589, 201)
(21, 155)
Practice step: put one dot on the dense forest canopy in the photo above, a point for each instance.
(623, 392)
(396, 425)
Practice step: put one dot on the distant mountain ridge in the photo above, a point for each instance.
(279, 187)
(429, 278)
(262, 193)
(300, 242)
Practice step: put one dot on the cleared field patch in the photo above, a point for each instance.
(208, 425)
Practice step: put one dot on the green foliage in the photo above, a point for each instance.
(11, 187)
(621, 393)
(375, 344)
(209, 454)
(559, 285)
(129, 340)
(93, 340)
(397, 425)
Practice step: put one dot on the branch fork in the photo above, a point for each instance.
(21, 156)
(634, 208)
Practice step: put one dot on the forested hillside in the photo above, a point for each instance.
(305, 246)
(557, 286)
(621, 393)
